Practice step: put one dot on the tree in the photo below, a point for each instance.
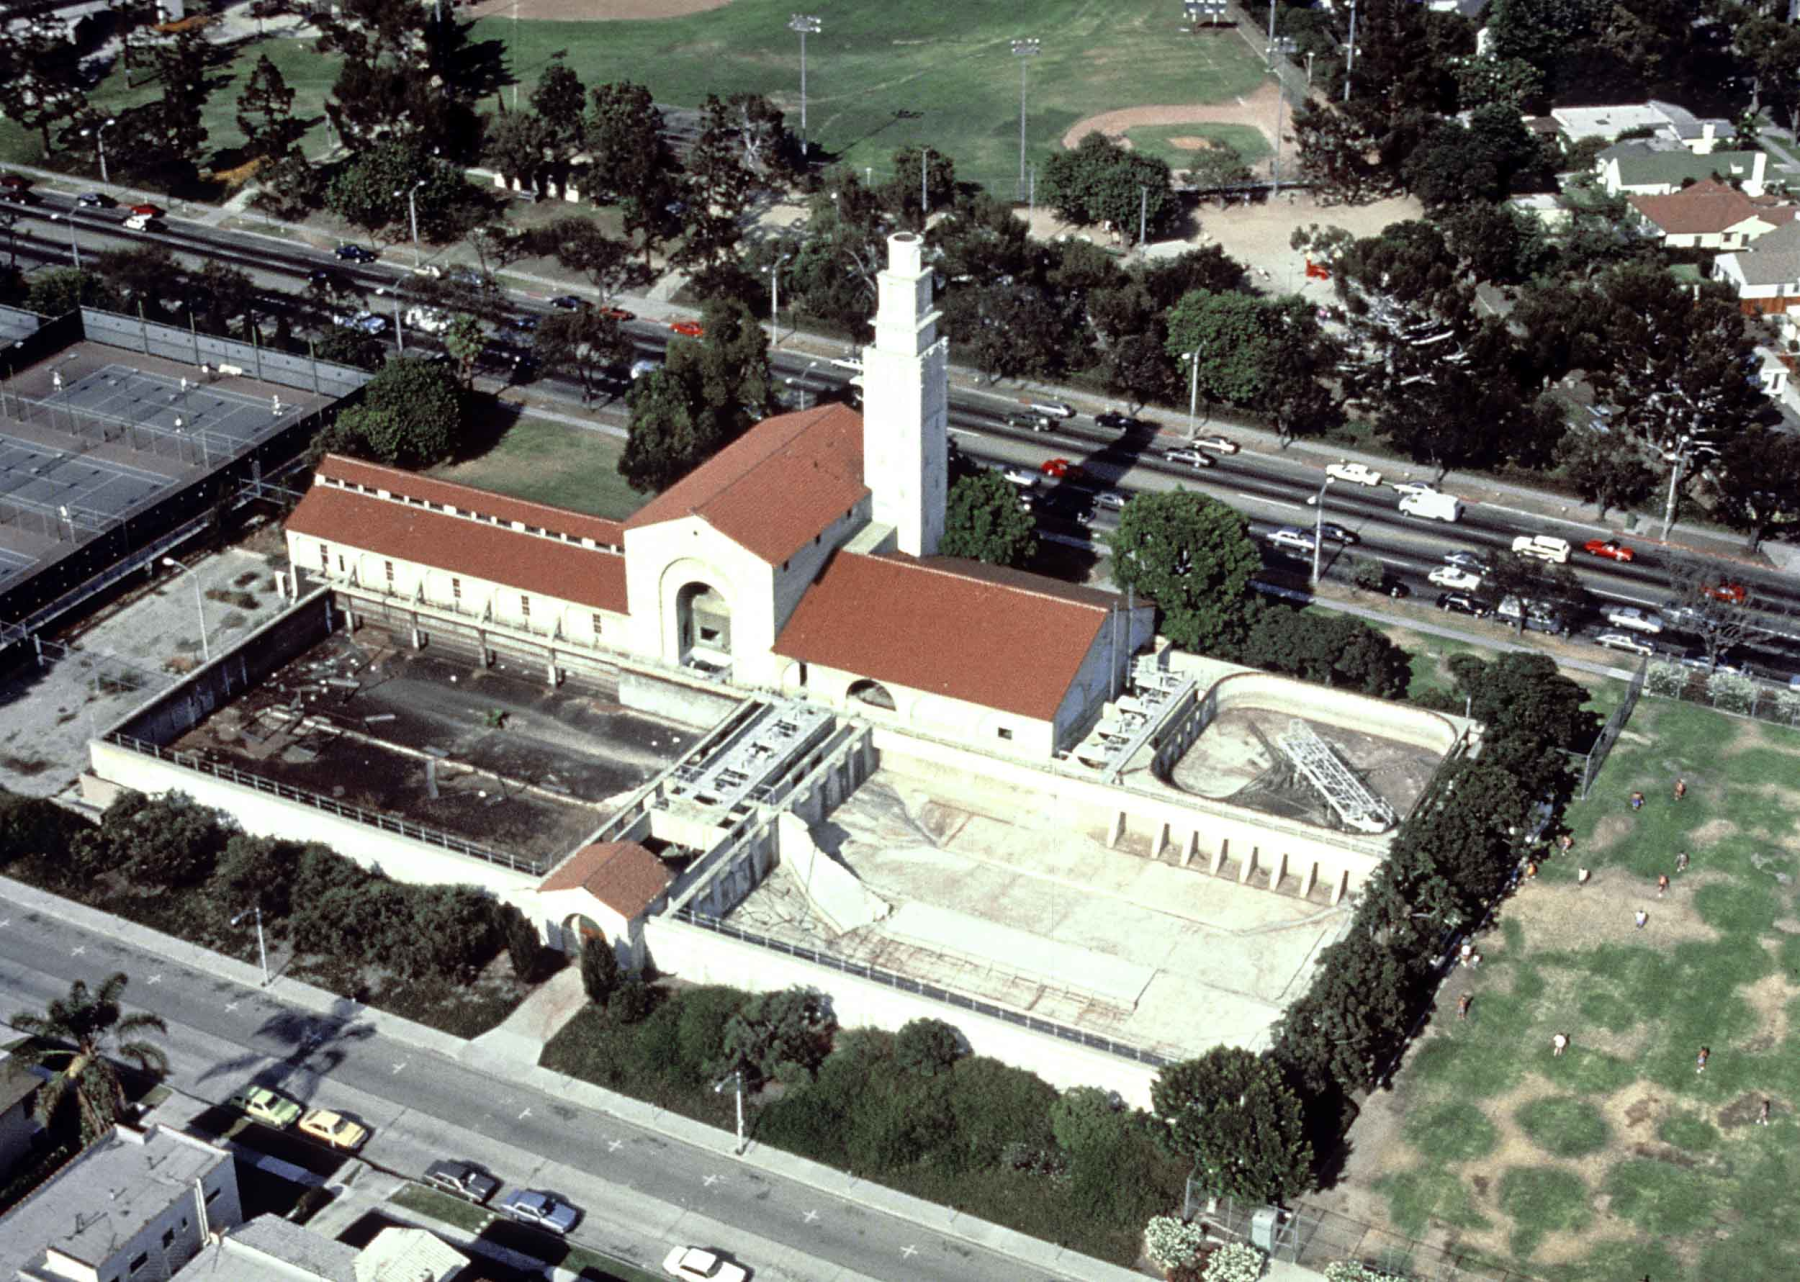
(63, 289)
(1606, 470)
(1265, 354)
(412, 415)
(516, 145)
(633, 160)
(560, 100)
(168, 841)
(599, 969)
(904, 190)
(143, 275)
(1139, 370)
(1524, 697)
(1533, 582)
(1496, 242)
(664, 443)
(1721, 623)
(719, 188)
(1333, 649)
(464, 341)
(1510, 82)
(404, 75)
(179, 117)
(928, 1047)
(1102, 181)
(1217, 165)
(585, 343)
(265, 112)
(1006, 331)
(342, 345)
(1194, 558)
(579, 245)
(289, 187)
(1758, 482)
(73, 1039)
(1232, 1113)
(39, 73)
(985, 520)
(781, 1036)
(371, 191)
(1335, 155)
(1342, 1033)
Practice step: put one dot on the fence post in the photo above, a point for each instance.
(143, 328)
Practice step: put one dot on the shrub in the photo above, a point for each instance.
(1085, 1117)
(705, 1014)
(927, 1047)
(1235, 1262)
(994, 1105)
(523, 947)
(632, 1001)
(1731, 692)
(1787, 706)
(1665, 679)
(1172, 1243)
(599, 970)
(783, 1035)
(1351, 1271)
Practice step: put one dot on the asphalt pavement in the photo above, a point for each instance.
(645, 1179)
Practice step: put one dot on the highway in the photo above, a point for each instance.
(1271, 490)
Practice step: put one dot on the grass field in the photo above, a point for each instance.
(1618, 1160)
(1159, 140)
(549, 462)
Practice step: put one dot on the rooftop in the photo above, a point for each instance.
(407, 1255)
(270, 1249)
(17, 1082)
(1641, 165)
(623, 875)
(1708, 207)
(103, 1197)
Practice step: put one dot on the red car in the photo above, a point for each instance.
(620, 314)
(1735, 593)
(1061, 469)
(1611, 549)
(148, 211)
(687, 329)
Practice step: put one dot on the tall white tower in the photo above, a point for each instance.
(906, 401)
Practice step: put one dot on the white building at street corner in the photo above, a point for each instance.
(801, 560)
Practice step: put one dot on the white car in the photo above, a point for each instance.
(1020, 477)
(1355, 473)
(1217, 444)
(1629, 616)
(1545, 547)
(1624, 641)
(363, 322)
(428, 319)
(1455, 578)
(1290, 539)
(1051, 409)
(1411, 487)
(692, 1264)
(1188, 458)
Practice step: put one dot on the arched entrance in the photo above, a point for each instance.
(703, 623)
(581, 931)
(872, 693)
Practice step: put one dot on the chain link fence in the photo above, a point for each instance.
(1723, 691)
(1609, 733)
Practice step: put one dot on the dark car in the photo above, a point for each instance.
(355, 253)
(1036, 422)
(1339, 534)
(522, 324)
(94, 200)
(1462, 603)
(1119, 422)
(462, 1179)
(569, 303)
(321, 276)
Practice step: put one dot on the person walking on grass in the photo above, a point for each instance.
(1581, 877)
(1681, 862)
(1642, 917)
(1762, 1118)
(1558, 1045)
(1637, 801)
(1701, 1058)
(1567, 842)
(1662, 885)
(1681, 789)
(1462, 1005)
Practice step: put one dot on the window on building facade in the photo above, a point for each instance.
(168, 1238)
(524, 606)
(138, 1263)
(387, 568)
(325, 556)
(1005, 733)
(455, 589)
(597, 624)
(340, 562)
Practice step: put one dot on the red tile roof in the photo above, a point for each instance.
(1708, 208)
(623, 875)
(999, 639)
(458, 545)
(469, 499)
(774, 489)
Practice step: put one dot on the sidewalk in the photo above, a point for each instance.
(509, 1061)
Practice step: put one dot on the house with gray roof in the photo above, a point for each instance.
(1641, 169)
(1766, 275)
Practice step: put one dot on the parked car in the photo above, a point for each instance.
(1473, 562)
(687, 328)
(94, 200)
(1110, 499)
(1061, 469)
(148, 210)
(691, 1264)
(362, 322)
(569, 303)
(271, 1108)
(618, 313)
(335, 1129)
(536, 1207)
(1731, 593)
(462, 1179)
(1189, 458)
(1354, 473)
(1626, 641)
(1119, 422)
(1218, 444)
(524, 323)
(1291, 539)
(1411, 487)
(351, 253)
(140, 222)
(430, 270)
(427, 319)
(1700, 663)
(1020, 477)
(1611, 549)
(1545, 547)
(14, 182)
(1462, 603)
(1453, 577)
(1336, 533)
(1051, 409)
(1036, 422)
(1634, 619)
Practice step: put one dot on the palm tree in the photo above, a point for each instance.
(72, 1039)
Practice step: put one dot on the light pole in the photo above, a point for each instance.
(775, 300)
(1270, 53)
(1193, 360)
(100, 142)
(262, 946)
(1143, 217)
(412, 215)
(806, 25)
(924, 190)
(199, 605)
(1350, 53)
(1024, 51)
(1319, 528)
(74, 245)
(736, 1077)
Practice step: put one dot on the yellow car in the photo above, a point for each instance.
(335, 1129)
(269, 1107)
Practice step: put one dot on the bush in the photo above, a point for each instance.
(1351, 1271)
(632, 1001)
(705, 1013)
(599, 970)
(1084, 1118)
(993, 1105)
(1665, 679)
(1172, 1243)
(928, 1047)
(781, 1035)
(524, 949)
(1731, 692)
(1235, 1262)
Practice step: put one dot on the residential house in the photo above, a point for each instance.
(270, 1249)
(1640, 169)
(1711, 215)
(1766, 276)
(1668, 124)
(1549, 208)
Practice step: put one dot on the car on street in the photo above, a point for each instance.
(1411, 487)
(687, 328)
(1189, 458)
(1634, 619)
(462, 1179)
(691, 1264)
(1335, 533)
(322, 276)
(149, 211)
(1354, 473)
(1111, 500)
(352, 253)
(271, 1108)
(1019, 476)
(335, 1129)
(1462, 603)
(1730, 593)
(1118, 422)
(1053, 409)
(1453, 577)
(1544, 547)
(1061, 469)
(524, 324)
(1700, 663)
(1626, 641)
(429, 320)
(362, 322)
(141, 222)
(1036, 422)
(430, 270)
(94, 200)
(1473, 562)
(569, 303)
(618, 313)
(1611, 549)
(14, 182)
(1291, 538)
(1217, 444)
(541, 1209)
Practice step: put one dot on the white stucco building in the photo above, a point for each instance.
(801, 559)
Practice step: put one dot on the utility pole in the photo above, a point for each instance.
(1350, 53)
(1280, 111)
(1143, 216)
(1270, 52)
(806, 25)
(1319, 529)
(1024, 51)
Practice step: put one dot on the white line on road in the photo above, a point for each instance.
(613, 1146)
(230, 1006)
(810, 1216)
(156, 979)
(6, 923)
(1257, 498)
(910, 1251)
(398, 1067)
(80, 949)
(524, 1115)
(711, 1180)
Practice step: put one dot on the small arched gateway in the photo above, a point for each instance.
(703, 623)
(604, 892)
(872, 693)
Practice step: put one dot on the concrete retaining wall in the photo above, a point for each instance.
(690, 705)
(697, 955)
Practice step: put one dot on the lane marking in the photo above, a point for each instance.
(524, 1115)
(810, 1216)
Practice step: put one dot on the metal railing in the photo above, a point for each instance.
(958, 1000)
(371, 818)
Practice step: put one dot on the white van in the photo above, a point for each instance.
(1429, 505)
(1544, 547)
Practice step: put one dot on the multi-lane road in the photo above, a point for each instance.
(1272, 490)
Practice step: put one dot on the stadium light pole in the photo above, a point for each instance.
(199, 605)
(806, 25)
(1024, 51)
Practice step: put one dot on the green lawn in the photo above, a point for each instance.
(1157, 140)
(1619, 1160)
(550, 462)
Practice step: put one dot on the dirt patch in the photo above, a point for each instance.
(592, 10)
(1746, 1110)
(1258, 110)
(1769, 998)
(1712, 832)
(1604, 908)
(1189, 142)
(1608, 831)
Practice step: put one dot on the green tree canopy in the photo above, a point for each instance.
(985, 520)
(665, 441)
(74, 1039)
(265, 112)
(779, 1036)
(63, 289)
(1232, 1113)
(1102, 180)
(412, 415)
(1193, 556)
